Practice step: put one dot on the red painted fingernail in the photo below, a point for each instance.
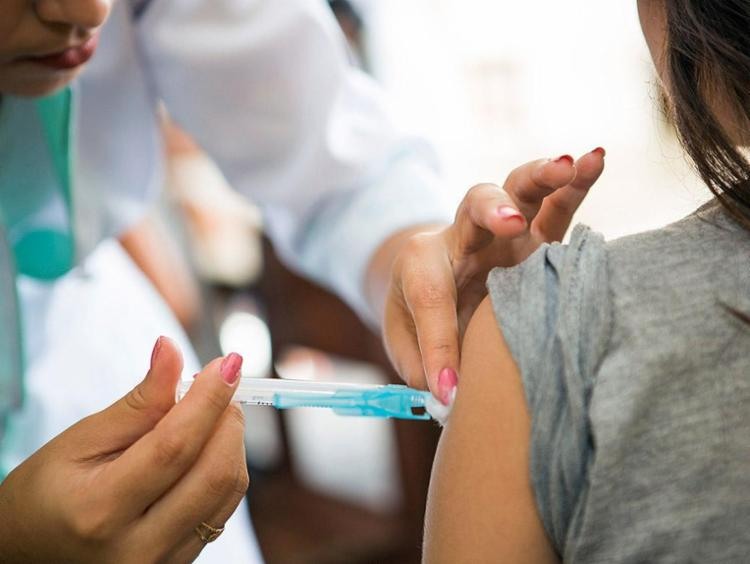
(447, 382)
(600, 151)
(155, 351)
(230, 368)
(507, 212)
(565, 158)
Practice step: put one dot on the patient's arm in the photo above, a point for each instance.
(481, 506)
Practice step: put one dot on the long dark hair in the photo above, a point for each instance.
(708, 64)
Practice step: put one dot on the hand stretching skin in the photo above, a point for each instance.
(131, 483)
(437, 276)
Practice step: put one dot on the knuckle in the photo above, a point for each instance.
(242, 482)
(218, 483)
(562, 206)
(228, 479)
(236, 415)
(442, 346)
(217, 399)
(92, 523)
(135, 399)
(170, 451)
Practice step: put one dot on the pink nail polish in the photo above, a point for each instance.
(155, 351)
(230, 368)
(447, 382)
(567, 158)
(507, 212)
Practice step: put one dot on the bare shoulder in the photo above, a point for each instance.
(481, 505)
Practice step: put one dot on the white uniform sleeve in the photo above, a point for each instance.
(266, 88)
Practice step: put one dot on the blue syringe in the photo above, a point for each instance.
(386, 401)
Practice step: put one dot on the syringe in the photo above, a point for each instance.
(362, 400)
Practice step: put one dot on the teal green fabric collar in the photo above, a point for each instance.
(36, 183)
(36, 216)
(56, 114)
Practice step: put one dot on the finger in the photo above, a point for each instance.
(120, 425)
(486, 212)
(193, 544)
(530, 184)
(400, 340)
(430, 296)
(557, 211)
(175, 443)
(209, 493)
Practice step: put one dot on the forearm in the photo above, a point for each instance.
(378, 275)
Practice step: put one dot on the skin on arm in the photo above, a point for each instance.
(481, 505)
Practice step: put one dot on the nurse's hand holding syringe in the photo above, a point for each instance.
(143, 480)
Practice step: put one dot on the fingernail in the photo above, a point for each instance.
(565, 158)
(600, 151)
(447, 382)
(155, 351)
(507, 212)
(195, 375)
(230, 368)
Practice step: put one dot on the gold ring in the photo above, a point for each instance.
(207, 533)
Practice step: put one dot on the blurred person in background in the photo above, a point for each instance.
(222, 229)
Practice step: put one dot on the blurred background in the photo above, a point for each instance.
(492, 85)
(496, 84)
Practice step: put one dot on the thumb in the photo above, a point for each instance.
(437, 334)
(135, 414)
(431, 300)
(485, 213)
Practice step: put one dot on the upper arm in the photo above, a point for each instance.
(481, 505)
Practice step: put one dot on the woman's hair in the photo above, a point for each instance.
(708, 72)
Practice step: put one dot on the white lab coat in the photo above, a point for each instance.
(264, 86)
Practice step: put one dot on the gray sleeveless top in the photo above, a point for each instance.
(635, 361)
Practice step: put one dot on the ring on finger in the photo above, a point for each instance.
(207, 533)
